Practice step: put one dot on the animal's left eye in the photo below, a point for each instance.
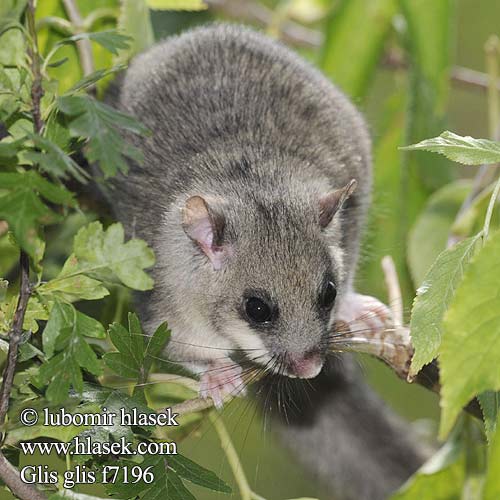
(328, 296)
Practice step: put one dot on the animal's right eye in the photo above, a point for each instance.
(257, 310)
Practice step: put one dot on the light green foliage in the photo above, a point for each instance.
(176, 4)
(135, 19)
(102, 256)
(429, 235)
(433, 298)
(471, 343)
(466, 150)
(361, 25)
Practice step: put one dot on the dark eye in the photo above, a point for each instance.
(257, 310)
(328, 296)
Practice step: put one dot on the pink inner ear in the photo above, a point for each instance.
(201, 232)
(199, 227)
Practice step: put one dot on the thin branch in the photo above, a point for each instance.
(84, 46)
(10, 476)
(246, 492)
(8, 472)
(393, 290)
(15, 338)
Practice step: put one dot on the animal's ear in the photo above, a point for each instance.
(331, 203)
(204, 224)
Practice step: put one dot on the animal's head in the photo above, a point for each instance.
(270, 273)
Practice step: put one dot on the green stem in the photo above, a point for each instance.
(492, 49)
(491, 206)
(232, 458)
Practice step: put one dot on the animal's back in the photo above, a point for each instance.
(219, 94)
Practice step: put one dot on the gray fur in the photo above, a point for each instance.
(240, 120)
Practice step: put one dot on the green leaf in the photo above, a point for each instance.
(129, 361)
(63, 315)
(53, 160)
(440, 478)
(119, 363)
(490, 402)
(429, 235)
(71, 285)
(466, 150)
(491, 489)
(361, 25)
(176, 4)
(156, 343)
(90, 80)
(433, 298)
(196, 474)
(135, 20)
(470, 347)
(100, 124)
(24, 212)
(98, 251)
(111, 40)
(65, 332)
(101, 256)
(166, 484)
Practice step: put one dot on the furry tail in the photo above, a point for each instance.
(345, 435)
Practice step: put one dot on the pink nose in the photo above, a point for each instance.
(304, 366)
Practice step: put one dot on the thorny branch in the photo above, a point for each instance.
(8, 472)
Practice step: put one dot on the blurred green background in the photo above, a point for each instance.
(388, 101)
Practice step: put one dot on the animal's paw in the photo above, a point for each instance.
(364, 314)
(220, 380)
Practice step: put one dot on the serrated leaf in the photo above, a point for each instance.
(65, 315)
(119, 363)
(101, 256)
(71, 285)
(429, 235)
(155, 344)
(466, 150)
(129, 361)
(196, 474)
(362, 26)
(166, 484)
(100, 124)
(490, 403)
(470, 348)
(192, 5)
(53, 160)
(433, 298)
(65, 332)
(99, 251)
